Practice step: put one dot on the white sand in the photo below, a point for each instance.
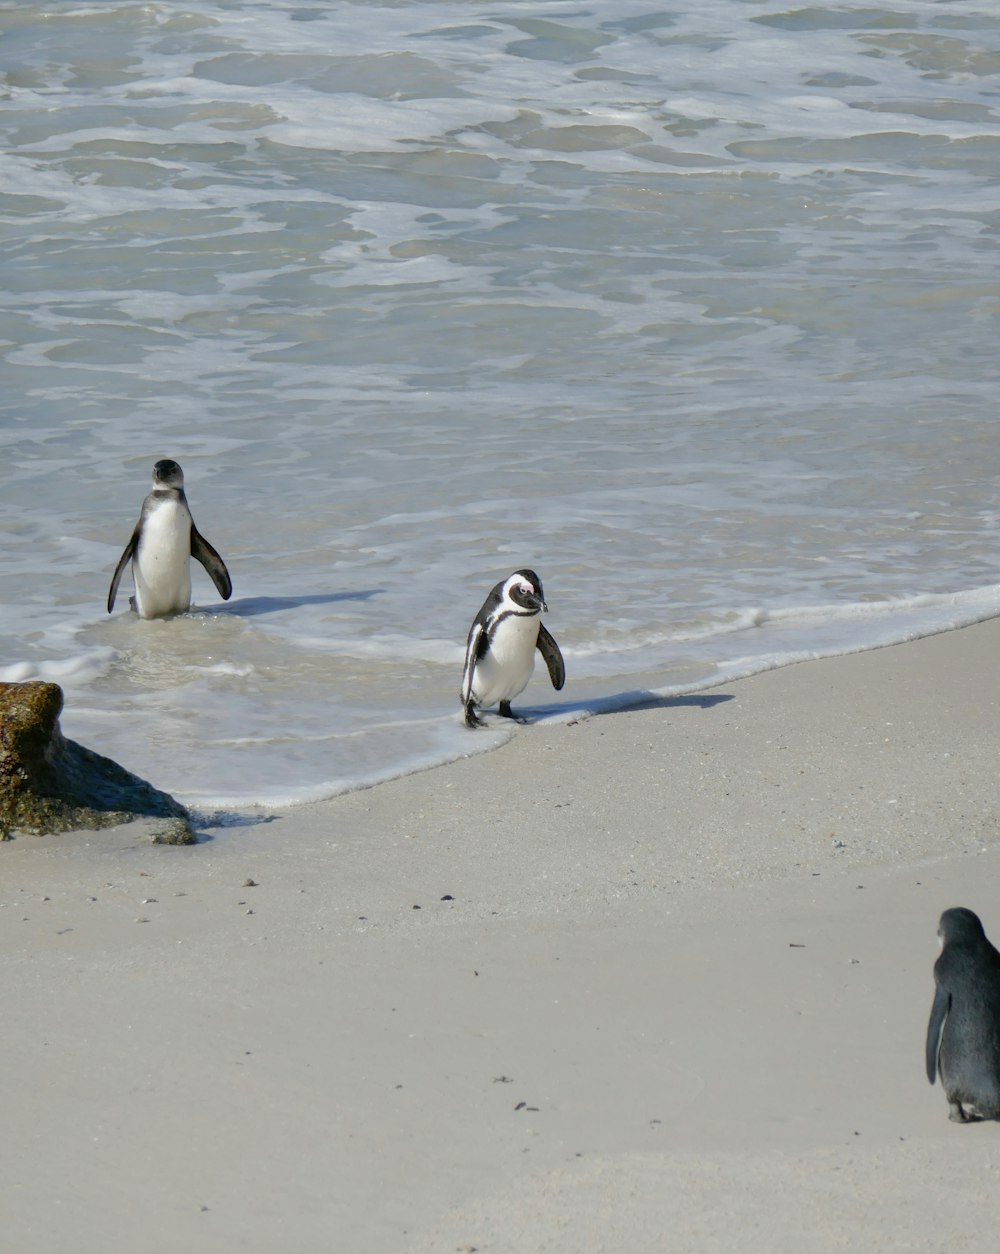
(677, 1001)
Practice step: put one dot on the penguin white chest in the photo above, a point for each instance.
(505, 668)
(161, 566)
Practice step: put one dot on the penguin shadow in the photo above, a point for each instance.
(250, 607)
(623, 702)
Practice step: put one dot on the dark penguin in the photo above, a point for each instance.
(500, 654)
(963, 1035)
(162, 545)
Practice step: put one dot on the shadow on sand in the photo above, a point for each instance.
(623, 702)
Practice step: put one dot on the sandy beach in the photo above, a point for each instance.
(655, 981)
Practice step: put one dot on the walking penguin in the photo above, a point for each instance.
(162, 545)
(963, 1035)
(500, 654)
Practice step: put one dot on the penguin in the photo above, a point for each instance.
(963, 1034)
(500, 653)
(162, 544)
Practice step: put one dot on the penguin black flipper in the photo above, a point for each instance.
(203, 552)
(123, 561)
(939, 1013)
(549, 650)
(477, 645)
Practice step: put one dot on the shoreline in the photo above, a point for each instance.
(213, 775)
(644, 981)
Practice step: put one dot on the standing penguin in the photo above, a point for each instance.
(162, 545)
(500, 654)
(963, 1035)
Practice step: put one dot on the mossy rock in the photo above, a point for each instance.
(51, 784)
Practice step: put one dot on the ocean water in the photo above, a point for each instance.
(692, 308)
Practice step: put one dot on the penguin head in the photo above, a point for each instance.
(167, 474)
(524, 588)
(960, 926)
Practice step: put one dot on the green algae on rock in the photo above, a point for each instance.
(51, 784)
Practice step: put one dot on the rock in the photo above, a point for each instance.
(51, 784)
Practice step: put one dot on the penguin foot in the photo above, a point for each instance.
(958, 1114)
(472, 719)
(504, 710)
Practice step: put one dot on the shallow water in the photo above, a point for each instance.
(692, 310)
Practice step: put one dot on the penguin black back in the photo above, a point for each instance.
(963, 1032)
